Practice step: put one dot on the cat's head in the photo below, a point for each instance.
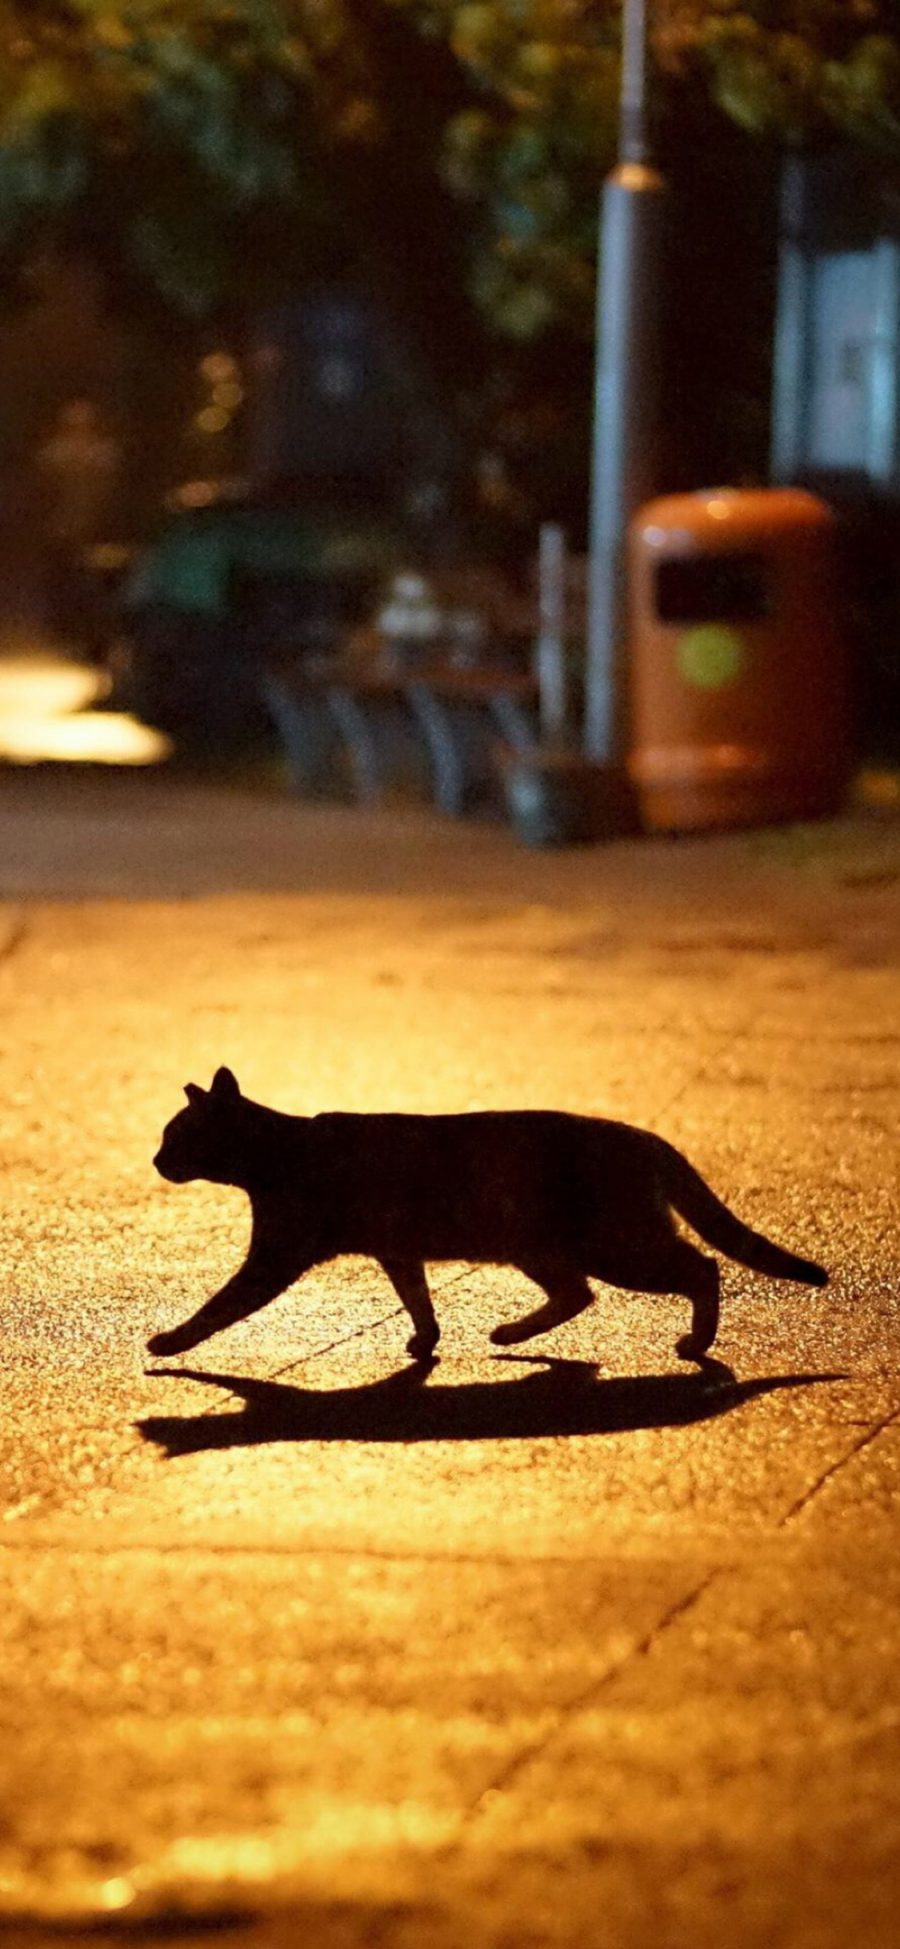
(208, 1139)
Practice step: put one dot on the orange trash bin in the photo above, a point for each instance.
(739, 681)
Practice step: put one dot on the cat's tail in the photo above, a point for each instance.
(692, 1198)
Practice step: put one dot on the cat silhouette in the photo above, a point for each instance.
(562, 1198)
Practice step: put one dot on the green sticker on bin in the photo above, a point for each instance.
(710, 655)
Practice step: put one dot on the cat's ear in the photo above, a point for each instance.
(194, 1093)
(225, 1085)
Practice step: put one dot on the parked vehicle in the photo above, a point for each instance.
(237, 583)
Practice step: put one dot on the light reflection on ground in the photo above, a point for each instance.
(46, 715)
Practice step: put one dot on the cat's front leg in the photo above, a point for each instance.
(407, 1276)
(260, 1279)
(568, 1294)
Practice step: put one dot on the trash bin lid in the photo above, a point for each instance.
(729, 517)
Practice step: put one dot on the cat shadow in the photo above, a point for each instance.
(565, 1397)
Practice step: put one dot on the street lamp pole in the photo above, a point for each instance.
(626, 403)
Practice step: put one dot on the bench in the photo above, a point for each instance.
(433, 723)
(431, 728)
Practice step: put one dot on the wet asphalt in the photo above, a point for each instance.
(573, 1644)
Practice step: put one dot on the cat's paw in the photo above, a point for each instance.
(178, 1341)
(688, 1348)
(506, 1336)
(422, 1345)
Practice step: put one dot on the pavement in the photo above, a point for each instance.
(582, 1646)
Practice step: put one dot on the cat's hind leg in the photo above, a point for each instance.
(568, 1294)
(407, 1276)
(698, 1278)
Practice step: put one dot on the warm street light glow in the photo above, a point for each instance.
(45, 716)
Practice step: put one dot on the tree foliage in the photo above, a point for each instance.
(159, 126)
(531, 147)
(174, 131)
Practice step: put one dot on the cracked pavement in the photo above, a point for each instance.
(574, 1646)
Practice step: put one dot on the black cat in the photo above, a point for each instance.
(563, 1198)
